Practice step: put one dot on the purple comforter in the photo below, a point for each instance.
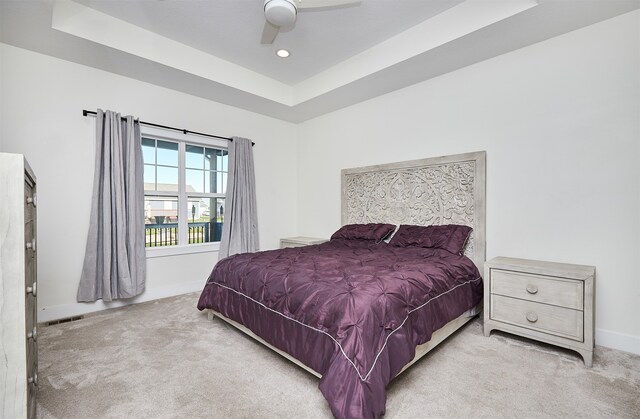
(353, 311)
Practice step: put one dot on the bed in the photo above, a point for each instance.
(355, 312)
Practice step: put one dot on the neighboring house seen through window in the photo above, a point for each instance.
(184, 186)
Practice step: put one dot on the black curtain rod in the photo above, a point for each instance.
(182, 130)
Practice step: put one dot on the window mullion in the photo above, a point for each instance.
(162, 193)
(183, 217)
(205, 195)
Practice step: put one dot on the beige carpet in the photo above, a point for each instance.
(164, 359)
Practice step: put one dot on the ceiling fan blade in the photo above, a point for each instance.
(269, 33)
(312, 4)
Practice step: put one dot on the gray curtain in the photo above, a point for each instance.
(114, 261)
(240, 229)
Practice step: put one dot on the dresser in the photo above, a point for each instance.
(18, 288)
(300, 241)
(546, 301)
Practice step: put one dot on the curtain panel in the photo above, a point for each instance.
(240, 228)
(115, 261)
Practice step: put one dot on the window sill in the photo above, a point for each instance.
(157, 252)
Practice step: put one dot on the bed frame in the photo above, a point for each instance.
(439, 190)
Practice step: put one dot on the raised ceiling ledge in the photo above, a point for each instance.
(92, 25)
(481, 31)
(441, 29)
(467, 17)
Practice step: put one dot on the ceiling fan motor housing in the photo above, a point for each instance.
(280, 12)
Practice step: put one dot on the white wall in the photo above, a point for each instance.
(41, 116)
(560, 122)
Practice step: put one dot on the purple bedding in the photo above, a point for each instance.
(351, 310)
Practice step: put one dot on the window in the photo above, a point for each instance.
(184, 201)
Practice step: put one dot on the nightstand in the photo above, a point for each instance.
(546, 301)
(300, 241)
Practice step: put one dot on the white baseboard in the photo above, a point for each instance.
(620, 341)
(47, 314)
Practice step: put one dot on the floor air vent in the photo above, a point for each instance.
(66, 320)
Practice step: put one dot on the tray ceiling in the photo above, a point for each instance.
(339, 56)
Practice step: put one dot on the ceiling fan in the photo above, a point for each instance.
(283, 14)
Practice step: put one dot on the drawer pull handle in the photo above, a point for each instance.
(32, 289)
(33, 380)
(32, 200)
(31, 245)
(532, 289)
(33, 334)
(532, 317)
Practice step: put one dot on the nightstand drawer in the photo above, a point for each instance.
(546, 318)
(538, 288)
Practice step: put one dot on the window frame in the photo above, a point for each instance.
(181, 194)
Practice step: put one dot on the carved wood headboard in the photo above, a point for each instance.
(439, 190)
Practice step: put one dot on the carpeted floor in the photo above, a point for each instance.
(164, 359)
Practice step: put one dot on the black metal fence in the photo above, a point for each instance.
(157, 235)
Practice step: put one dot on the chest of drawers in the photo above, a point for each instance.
(18, 288)
(546, 301)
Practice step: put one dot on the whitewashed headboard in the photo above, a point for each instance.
(439, 190)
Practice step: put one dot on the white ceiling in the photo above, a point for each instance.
(231, 30)
(339, 56)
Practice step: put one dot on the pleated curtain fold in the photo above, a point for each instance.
(240, 229)
(115, 262)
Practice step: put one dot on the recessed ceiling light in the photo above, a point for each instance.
(282, 53)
